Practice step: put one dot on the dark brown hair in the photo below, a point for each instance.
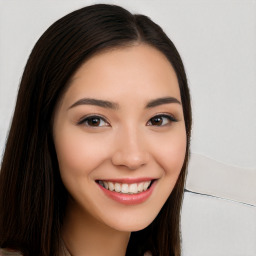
(32, 195)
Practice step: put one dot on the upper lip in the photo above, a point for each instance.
(129, 180)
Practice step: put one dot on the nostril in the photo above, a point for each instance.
(131, 160)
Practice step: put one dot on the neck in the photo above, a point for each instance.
(84, 235)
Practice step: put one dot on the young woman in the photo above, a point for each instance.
(96, 157)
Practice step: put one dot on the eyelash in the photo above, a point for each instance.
(101, 119)
(170, 119)
(90, 118)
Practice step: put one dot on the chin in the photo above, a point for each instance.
(133, 223)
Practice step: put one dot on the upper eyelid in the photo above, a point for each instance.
(166, 115)
(162, 114)
(81, 120)
(171, 119)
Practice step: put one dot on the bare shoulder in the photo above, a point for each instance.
(7, 252)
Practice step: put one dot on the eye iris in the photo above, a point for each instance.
(94, 121)
(157, 120)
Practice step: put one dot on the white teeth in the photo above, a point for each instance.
(133, 189)
(140, 187)
(125, 188)
(145, 186)
(118, 187)
(105, 184)
(111, 186)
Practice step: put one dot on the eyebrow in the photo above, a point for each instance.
(115, 106)
(95, 102)
(162, 101)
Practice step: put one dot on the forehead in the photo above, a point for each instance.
(139, 70)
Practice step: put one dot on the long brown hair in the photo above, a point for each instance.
(32, 195)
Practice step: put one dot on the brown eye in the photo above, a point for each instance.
(156, 120)
(161, 120)
(94, 121)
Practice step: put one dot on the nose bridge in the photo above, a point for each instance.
(130, 151)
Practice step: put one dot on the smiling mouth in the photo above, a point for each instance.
(125, 188)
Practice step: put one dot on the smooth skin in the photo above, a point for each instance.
(133, 135)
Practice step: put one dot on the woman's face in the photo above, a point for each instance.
(120, 136)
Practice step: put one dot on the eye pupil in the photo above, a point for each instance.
(94, 121)
(157, 120)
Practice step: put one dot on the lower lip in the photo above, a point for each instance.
(129, 199)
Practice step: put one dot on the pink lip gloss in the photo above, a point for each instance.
(129, 199)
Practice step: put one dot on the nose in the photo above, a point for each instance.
(131, 151)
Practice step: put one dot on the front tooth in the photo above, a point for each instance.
(140, 187)
(118, 187)
(125, 188)
(111, 186)
(146, 184)
(105, 184)
(133, 188)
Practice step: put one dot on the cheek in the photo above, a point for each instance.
(171, 153)
(78, 154)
